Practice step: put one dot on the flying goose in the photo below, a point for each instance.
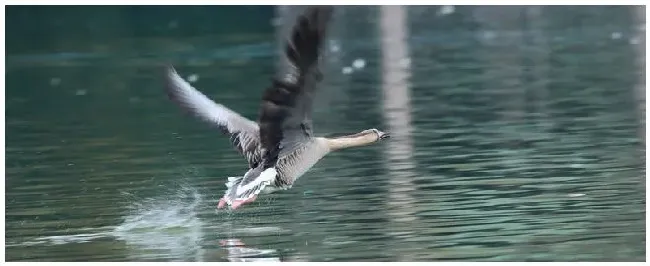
(281, 146)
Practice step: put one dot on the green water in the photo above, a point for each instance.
(525, 139)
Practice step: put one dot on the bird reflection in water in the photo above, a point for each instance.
(238, 252)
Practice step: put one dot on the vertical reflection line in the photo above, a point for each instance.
(396, 110)
(639, 14)
(503, 54)
(639, 36)
(539, 55)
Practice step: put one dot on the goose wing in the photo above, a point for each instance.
(244, 133)
(285, 114)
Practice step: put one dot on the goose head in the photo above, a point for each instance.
(379, 135)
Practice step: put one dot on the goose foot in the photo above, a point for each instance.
(222, 203)
(235, 204)
(231, 243)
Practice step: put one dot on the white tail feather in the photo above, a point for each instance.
(265, 178)
(252, 188)
(233, 180)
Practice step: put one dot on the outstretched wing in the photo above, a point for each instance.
(244, 133)
(285, 114)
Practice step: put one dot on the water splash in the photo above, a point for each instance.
(64, 239)
(168, 223)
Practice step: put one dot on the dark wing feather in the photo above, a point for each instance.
(244, 133)
(285, 114)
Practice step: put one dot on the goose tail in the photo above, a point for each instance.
(244, 189)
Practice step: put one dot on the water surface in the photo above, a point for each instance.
(523, 144)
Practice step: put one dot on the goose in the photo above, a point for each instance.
(280, 147)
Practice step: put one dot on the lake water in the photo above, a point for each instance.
(517, 144)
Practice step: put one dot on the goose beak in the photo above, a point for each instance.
(384, 135)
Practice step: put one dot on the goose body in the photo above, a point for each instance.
(280, 147)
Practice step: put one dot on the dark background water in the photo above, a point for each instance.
(520, 136)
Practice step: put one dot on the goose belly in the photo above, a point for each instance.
(271, 189)
(295, 165)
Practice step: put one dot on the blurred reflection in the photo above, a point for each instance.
(639, 42)
(539, 56)
(238, 252)
(397, 110)
(503, 54)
